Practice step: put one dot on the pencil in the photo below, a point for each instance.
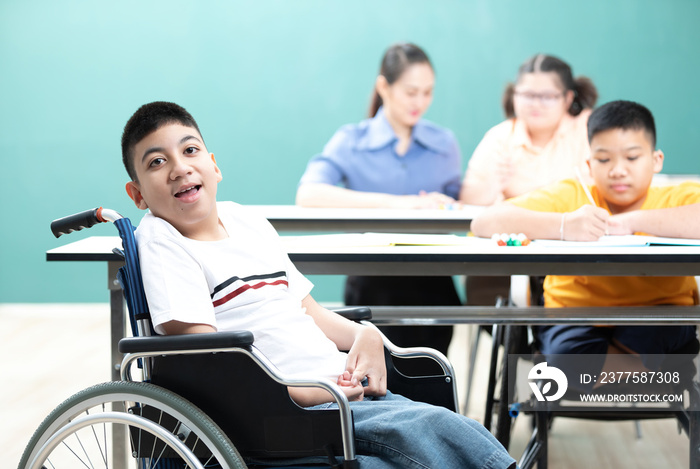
(583, 184)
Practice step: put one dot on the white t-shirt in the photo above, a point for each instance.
(244, 282)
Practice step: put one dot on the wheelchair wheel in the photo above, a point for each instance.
(129, 425)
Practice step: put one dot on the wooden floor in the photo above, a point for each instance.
(49, 352)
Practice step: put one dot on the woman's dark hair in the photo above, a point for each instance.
(395, 61)
(623, 115)
(585, 92)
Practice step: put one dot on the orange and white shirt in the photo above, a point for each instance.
(533, 167)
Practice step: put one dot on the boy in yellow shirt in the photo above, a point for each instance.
(622, 137)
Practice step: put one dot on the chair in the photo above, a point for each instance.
(518, 340)
(186, 412)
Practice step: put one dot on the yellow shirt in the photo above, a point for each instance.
(533, 167)
(568, 290)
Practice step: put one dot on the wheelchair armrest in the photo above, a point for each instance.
(207, 341)
(435, 388)
(357, 313)
(420, 352)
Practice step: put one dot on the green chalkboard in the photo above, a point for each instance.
(269, 83)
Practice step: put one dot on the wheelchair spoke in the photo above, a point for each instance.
(89, 430)
(159, 456)
(87, 456)
(208, 461)
(101, 446)
(211, 460)
(160, 420)
(75, 454)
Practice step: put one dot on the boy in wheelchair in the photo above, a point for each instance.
(623, 160)
(210, 266)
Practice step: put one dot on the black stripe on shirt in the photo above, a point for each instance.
(233, 279)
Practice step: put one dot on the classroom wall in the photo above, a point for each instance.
(270, 81)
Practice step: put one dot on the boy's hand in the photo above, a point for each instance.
(588, 223)
(354, 392)
(620, 224)
(366, 360)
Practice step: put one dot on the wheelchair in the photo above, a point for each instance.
(503, 405)
(207, 400)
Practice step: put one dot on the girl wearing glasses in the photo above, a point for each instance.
(393, 159)
(543, 139)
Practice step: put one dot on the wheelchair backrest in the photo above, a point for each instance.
(129, 276)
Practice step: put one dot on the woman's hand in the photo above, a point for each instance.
(504, 174)
(425, 200)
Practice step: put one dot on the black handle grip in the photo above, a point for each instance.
(75, 222)
(354, 313)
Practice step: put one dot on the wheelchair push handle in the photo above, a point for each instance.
(86, 219)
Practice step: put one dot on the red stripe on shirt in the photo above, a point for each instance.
(240, 290)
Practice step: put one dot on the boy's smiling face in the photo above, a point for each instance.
(177, 180)
(622, 164)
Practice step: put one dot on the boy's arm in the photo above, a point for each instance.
(672, 222)
(588, 223)
(178, 328)
(365, 346)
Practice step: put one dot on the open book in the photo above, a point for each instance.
(622, 241)
(378, 240)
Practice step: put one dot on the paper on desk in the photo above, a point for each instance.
(621, 241)
(376, 240)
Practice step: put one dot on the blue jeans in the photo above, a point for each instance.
(649, 341)
(397, 433)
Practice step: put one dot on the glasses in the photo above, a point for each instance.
(545, 99)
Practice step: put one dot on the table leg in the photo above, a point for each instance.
(117, 332)
(694, 426)
(117, 322)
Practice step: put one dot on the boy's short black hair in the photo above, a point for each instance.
(147, 119)
(625, 115)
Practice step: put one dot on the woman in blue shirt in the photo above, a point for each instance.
(394, 159)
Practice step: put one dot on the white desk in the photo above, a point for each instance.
(483, 257)
(288, 218)
(480, 257)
